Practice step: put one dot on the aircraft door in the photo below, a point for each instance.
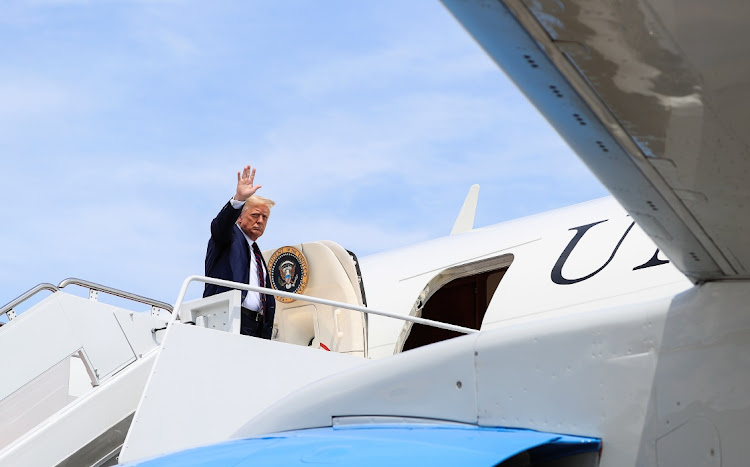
(332, 273)
(459, 296)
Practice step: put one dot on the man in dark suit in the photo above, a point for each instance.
(233, 254)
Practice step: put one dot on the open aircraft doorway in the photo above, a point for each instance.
(334, 275)
(459, 295)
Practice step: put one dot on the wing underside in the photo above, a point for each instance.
(654, 98)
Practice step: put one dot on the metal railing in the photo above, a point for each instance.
(307, 298)
(94, 288)
(8, 307)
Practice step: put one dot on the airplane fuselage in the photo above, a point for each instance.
(586, 256)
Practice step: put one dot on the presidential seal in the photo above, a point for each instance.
(288, 269)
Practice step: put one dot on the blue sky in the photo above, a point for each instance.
(123, 124)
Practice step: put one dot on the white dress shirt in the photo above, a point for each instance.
(252, 299)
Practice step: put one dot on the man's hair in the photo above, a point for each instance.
(256, 200)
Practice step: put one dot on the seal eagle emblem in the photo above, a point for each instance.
(289, 271)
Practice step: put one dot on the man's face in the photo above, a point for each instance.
(253, 220)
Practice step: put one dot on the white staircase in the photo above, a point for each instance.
(73, 370)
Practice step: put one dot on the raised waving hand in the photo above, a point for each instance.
(245, 187)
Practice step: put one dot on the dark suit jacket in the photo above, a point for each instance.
(228, 257)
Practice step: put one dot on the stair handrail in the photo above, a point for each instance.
(308, 298)
(116, 292)
(8, 307)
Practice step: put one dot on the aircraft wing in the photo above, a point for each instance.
(654, 96)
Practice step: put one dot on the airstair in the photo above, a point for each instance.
(86, 383)
(73, 371)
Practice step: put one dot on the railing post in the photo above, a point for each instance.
(92, 372)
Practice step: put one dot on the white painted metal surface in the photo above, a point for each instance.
(79, 369)
(589, 332)
(331, 275)
(579, 357)
(527, 289)
(206, 384)
(465, 220)
(436, 382)
(24, 409)
(440, 381)
(220, 312)
(652, 95)
(82, 421)
(51, 330)
(654, 381)
(101, 334)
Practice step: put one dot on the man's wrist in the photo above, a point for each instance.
(236, 204)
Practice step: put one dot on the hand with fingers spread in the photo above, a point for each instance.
(245, 187)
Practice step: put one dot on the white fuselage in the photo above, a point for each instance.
(599, 269)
